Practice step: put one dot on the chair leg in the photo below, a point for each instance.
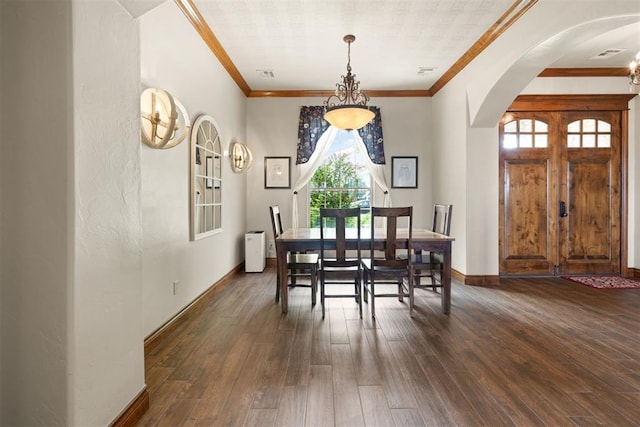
(322, 292)
(400, 291)
(411, 296)
(365, 286)
(433, 279)
(314, 285)
(277, 287)
(359, 293)
(373, 297)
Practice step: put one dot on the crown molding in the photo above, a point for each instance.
(193, 15)
(327, 93)
(495, 31)
(585, 72)
(515, 12)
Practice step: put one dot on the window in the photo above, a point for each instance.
(341, 181)
(525, 133)
(589, 133)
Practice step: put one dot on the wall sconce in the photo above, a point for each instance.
(165, 122)
(634, 72)
(241, 157)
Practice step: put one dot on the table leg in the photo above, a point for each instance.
(281, 257)
(446, 280)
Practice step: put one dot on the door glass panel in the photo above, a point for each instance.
(526, 125)
(588, 141)
(574, 126)
(588, 125)
(526, 141)
(573, 141)
(604, 141)
(510, 141)
(541, 127)
(541, 140)
(604, 127)
(511, 126)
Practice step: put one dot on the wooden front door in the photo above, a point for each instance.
(589, 230)
(560, 194)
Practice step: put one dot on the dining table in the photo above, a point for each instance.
(308, 240)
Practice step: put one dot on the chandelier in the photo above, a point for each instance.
(347, 108)
(634, 71)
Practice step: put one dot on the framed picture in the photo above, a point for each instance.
(277, 172)
(209, 172)
(404, 172)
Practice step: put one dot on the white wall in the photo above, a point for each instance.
(196, 78)
(105, 320)
(35, 156)
(449, 172)
(72, 339)
(272, 130)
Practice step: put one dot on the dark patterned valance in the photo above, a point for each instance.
(311, 126)
(371, 134)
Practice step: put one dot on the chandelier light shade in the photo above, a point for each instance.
(347, 108)
(634, 72)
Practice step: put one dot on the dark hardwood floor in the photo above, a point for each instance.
(529, 352)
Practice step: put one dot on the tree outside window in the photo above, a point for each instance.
(342, 181)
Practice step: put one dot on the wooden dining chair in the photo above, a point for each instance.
(339, 266)
(428, 264)
(298, 265)
(384, 266)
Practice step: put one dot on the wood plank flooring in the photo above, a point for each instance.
(528, 352)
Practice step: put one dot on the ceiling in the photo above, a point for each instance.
(401, 45)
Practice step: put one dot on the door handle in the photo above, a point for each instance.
(563, 210)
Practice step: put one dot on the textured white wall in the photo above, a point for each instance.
(106, 348)
(196, 78)
(450, 159)
(35, 147)
(272, 130)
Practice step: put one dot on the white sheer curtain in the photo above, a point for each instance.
(306, 170)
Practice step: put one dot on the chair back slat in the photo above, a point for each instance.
(276, 221)
(390, 218)
(442, 219)
(339, 217)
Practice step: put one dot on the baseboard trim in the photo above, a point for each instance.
(152, 341)
(475, 280)
(634, 272)
(134, 411)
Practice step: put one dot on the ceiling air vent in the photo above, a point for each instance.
(422, 71)
(266, 74)
(607, 53)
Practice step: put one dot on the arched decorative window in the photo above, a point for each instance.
(525, 133)
(206, 178)
(589, 133)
